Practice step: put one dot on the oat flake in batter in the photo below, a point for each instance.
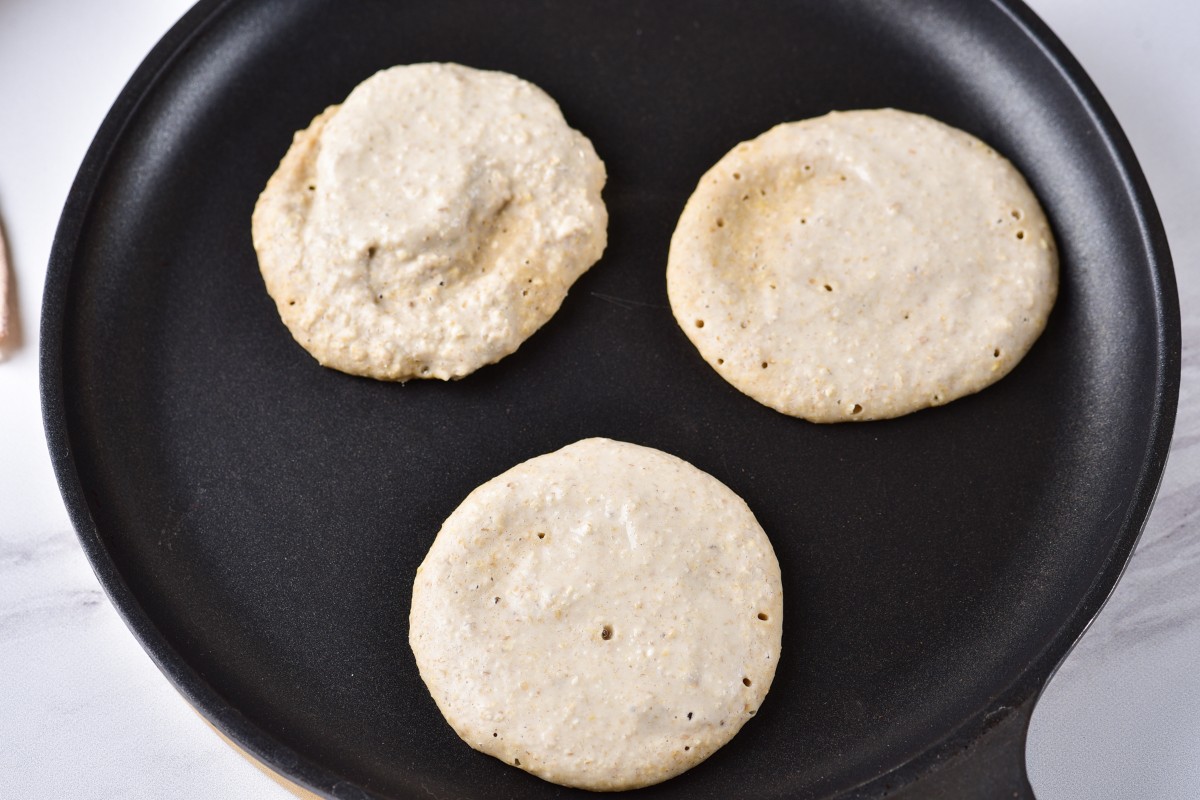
(862, 265)
(430, 224)
(605, 616)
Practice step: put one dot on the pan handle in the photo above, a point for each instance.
(991, 766)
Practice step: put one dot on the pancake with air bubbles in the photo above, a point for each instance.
(605, 616)
(862, 265)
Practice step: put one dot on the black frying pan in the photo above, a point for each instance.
(258, 519)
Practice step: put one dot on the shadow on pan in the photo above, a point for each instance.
(258, 520)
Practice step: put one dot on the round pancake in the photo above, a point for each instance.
(862, 265)
(605, 616)
(429, 224)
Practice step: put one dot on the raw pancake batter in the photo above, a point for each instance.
(605, 616)
(429, 224)
(862, 265)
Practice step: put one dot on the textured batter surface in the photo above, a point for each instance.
(429, 224)
(605, 616)
(862, 265)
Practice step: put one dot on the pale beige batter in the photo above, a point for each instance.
(862, 265)
(605, 616)
(429, 224)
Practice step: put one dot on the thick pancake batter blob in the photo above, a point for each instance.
(430, 224)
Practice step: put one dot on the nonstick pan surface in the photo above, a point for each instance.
(258, 519)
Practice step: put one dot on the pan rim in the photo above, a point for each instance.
(1026, 687)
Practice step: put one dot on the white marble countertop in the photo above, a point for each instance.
(83, 711)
